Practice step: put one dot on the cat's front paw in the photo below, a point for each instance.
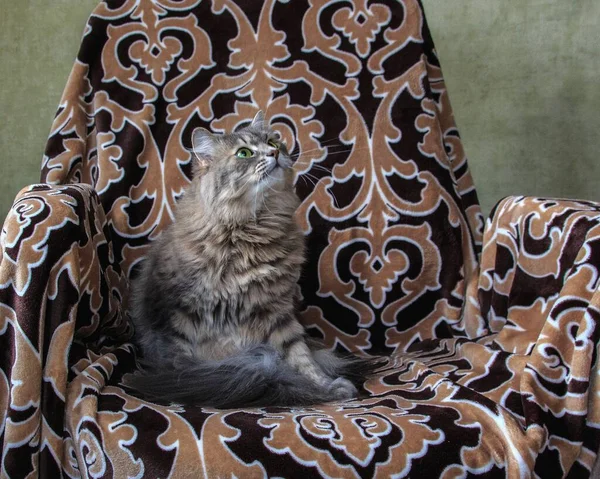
(341, 389)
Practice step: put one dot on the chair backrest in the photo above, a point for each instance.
(355, 89)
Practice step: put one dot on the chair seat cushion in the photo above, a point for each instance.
(446, 409)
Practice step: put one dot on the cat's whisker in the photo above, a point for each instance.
(246, 183)
(322, 146)
(273, 190)
(304, 177)
(302, 158)
(324, 149)
(325, 142)
(329, 140)
(310, 175)
(327, 189)
(330, 150)
(328, 147)
(315, 165)
(311, 178)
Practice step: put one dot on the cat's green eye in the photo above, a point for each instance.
(272, 144)
(244, 153)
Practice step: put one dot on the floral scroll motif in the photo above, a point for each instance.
(489, 373)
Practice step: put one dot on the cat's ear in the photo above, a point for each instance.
(259, 120)
(203, 146)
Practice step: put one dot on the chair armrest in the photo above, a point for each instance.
(539, 297)
(530, 246)
(61, 300)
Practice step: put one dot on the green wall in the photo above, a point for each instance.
(39, 40)
(522, 75)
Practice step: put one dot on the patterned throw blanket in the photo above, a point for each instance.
(491, 336)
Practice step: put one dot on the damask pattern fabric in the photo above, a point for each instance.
(365, 108)
(492, 364)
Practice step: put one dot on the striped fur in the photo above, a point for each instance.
(214, 306)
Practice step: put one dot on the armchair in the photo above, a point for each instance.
(490, 328)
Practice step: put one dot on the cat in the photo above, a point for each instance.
(215, 304)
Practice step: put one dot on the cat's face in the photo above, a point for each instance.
(251, 161)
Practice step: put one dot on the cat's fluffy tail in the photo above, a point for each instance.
(257, 377)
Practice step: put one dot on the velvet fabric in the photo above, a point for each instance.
(490, 337)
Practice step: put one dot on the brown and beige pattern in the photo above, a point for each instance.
(492, 367)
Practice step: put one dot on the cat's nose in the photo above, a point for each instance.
(274, 152)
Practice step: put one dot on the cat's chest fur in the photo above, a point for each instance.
(213, 282)
(222, 272)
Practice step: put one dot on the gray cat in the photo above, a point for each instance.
(214, 305)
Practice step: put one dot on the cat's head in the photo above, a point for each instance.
(250, 161)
